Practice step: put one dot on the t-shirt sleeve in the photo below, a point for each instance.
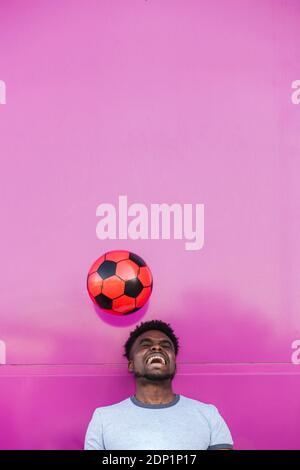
(220, 435)
(94, 433)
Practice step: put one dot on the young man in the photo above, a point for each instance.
(155, 417)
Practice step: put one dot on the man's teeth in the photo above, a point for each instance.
(151, 359)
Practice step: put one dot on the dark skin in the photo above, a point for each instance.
(153, 380)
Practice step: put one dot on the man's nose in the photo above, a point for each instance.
(156, 347)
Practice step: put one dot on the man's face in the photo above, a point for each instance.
(152, 356)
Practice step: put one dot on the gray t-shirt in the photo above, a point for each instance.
(182, 424)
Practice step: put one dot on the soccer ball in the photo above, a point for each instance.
(119, 282)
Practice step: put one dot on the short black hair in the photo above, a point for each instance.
(151, 325)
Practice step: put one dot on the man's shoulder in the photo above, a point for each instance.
(197, 404)
(113, 407)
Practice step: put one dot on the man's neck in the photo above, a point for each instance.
(154, 394)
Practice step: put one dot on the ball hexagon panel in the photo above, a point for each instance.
(117, 255)
(124, 304)
(103, 301)
(143, 297)
(113, 287)
(127, 269)
(133, 287)
(137, 259)
(145, 276)
(94, 284)
(107, 269)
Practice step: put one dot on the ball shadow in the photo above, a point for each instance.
(121, 320)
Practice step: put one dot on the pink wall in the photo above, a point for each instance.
(165, 102)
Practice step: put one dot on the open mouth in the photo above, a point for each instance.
(156, 358)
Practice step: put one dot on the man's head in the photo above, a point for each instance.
(151, 350)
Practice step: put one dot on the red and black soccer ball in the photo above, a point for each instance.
(120, 282)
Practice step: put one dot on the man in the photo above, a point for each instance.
(155, 417)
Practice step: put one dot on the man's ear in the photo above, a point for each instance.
(130, 365)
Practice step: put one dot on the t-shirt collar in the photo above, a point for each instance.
(136, 402)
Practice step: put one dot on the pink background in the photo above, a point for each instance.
(163, 101)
